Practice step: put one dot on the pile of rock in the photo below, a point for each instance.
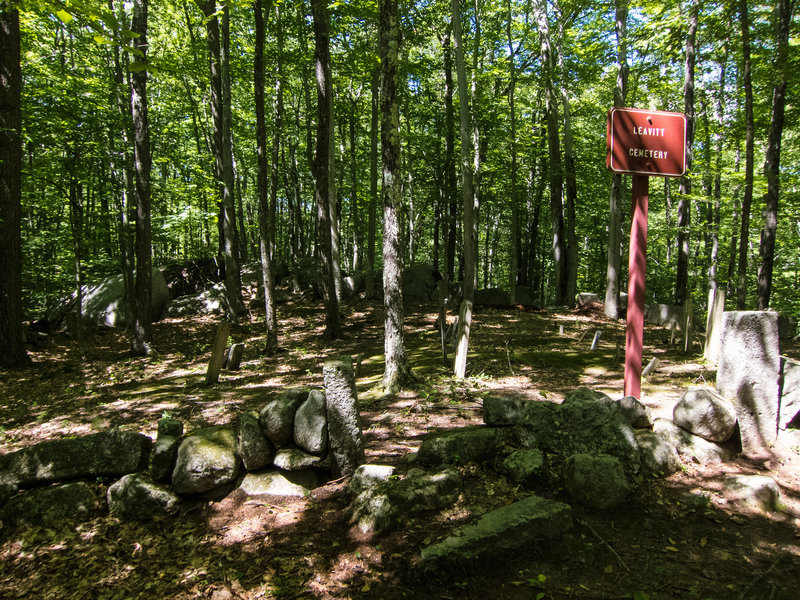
(287, 448)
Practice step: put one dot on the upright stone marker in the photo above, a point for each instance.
(344, 422)
(748, 374)
(716, 306)
(218, 352)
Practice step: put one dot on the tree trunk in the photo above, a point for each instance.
(223, 158)
(554, 152)
(373, 182)
(684, 204)
(396, 372)
(142, 334)
(450, 199)
(264, 221)
(614, 259)
(749, 142)
(513, 274)
(322, 163)
(12, 339)
(470, 258)
(773, 159)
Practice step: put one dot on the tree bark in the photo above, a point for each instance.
(773, 159)
(396, 372)
(684, 204)
(450, 178)
(264, 221)
(322, 163)
(12, 339)
(373, 181)
(749, 143)
(513, 274)
(142, 334)
(614, 258)
(469, 250)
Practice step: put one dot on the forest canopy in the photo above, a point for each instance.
(539, 73)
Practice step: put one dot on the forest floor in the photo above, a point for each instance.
(663, 543)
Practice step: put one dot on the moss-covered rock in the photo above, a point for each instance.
(207, 459)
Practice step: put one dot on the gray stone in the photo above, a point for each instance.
(171, 427)
(690, 446)
(51, 506)
(207, 459)
(294, 459)
(585, 298)
(511, 527)
(104, 303)
(524, 466)
(367, 476)
(277, 417)
(384, 505)
(291, 484)
(637, 414)
(585, 394)
(758, 492)
(789, 412)
(99, 454)
(165, 453)
(658, 456)
(705, 413)
(311, 424)
(748, 374)
(716, 308)
(419, 282)
(463, 445)
(345, 442)
(505, 410)
(254, 448)
(665, 315)
(213, 301)
(135, 498)
(596, 480)
(491, 297)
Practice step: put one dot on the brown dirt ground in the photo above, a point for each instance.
(663, 543)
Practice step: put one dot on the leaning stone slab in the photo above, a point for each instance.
(135, 498)
(691, 446)
(758, 492)
(165, 453)
(311, 424)
(748, 373)
(294, 484)
(596, 480)
(658, 456)
(705, 413)
(464, 445)
(790, 393)
(344, 421)
(99, 454)
(277, 417)
(51, 506)
(207, 459)
(294, 459)
(254, 447)
(508, 528)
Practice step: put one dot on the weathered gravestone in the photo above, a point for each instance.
(344, 423)
(790, 394)
(748, 373)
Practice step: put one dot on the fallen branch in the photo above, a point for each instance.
(607, 545)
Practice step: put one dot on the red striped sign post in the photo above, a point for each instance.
(642, 144)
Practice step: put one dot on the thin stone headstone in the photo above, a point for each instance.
(716, 306)
(218, 352)
(596, 339)
(233, 360)
(748, 374)
(651, 366)
(344, 422)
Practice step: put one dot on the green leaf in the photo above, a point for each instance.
(64, 16)
(101, 39)
(138, 67)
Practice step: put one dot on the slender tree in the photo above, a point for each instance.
(322, 163)
(772, 163)
(12, 342)
(614, 260)
(396, 372)
(749, 151)
(142, 334)
(373, 180)
(264, 214)
(684, 204)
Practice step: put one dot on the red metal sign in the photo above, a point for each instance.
(646, 142)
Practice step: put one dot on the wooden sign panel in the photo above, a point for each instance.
(646, 142)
